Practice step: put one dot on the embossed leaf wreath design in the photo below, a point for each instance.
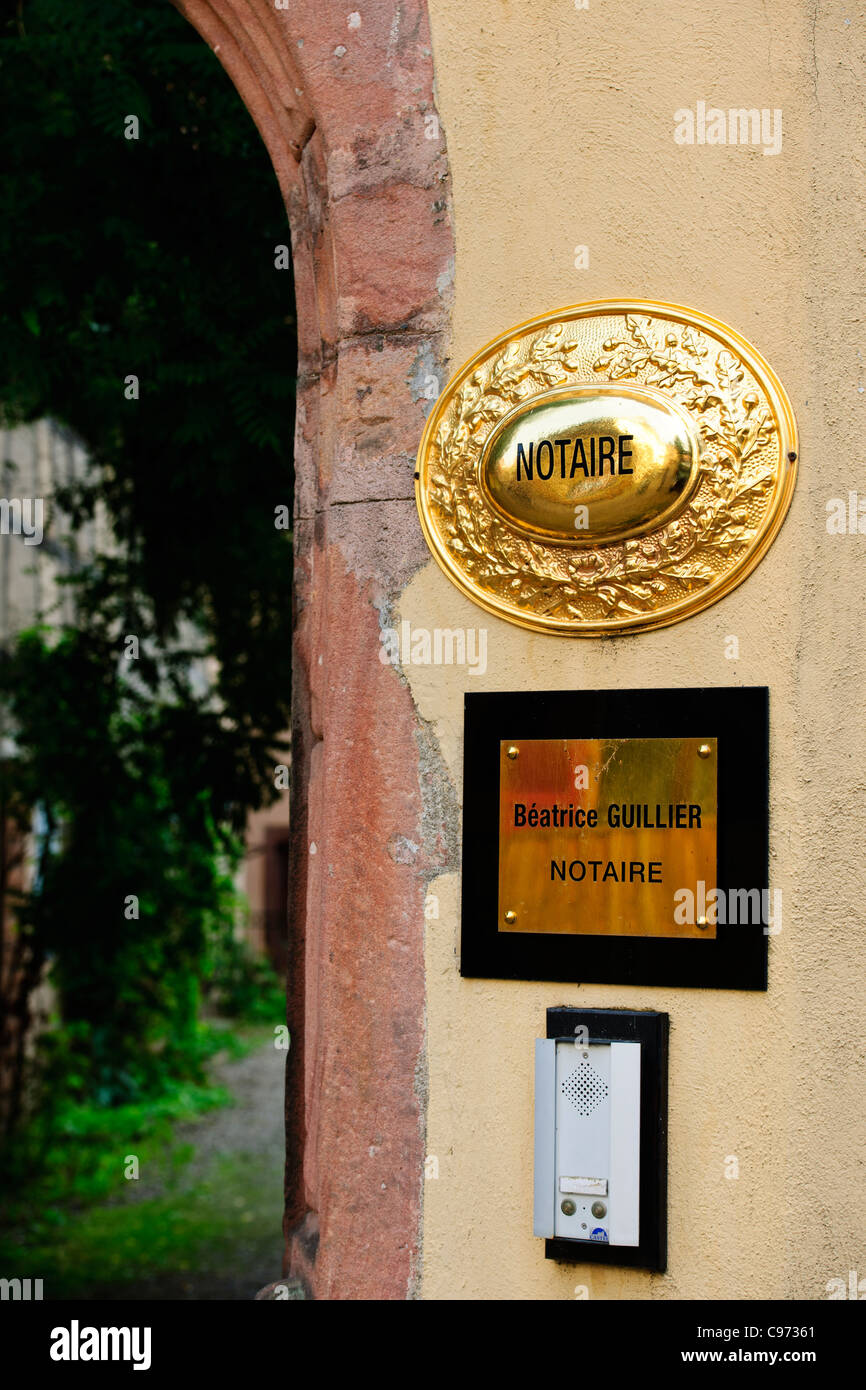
(627, 577)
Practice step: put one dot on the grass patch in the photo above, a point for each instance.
(194, 1232)
(77, 1217)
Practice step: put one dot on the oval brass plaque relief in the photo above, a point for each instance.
(613, 466)
(590, 464)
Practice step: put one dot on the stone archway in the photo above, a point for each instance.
(344, 103)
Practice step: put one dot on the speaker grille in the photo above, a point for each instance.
(584, 1088)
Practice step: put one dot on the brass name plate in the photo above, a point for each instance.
(608, 467)
(590, 464)
(596, 836)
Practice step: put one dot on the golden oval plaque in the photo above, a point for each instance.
(614, 466)
(590, 464)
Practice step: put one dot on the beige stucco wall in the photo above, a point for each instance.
(559, 124)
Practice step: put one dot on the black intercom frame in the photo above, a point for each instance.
(652, 1031)
(738, 716)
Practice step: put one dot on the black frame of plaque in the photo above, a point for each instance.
(738, 716)
(652, 1031)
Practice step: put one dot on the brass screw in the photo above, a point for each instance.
(510, 917)
(513, 752)
(704, 750)
(702, 922)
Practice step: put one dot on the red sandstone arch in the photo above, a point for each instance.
(343, 100)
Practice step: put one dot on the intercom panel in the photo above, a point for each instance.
(600, 1137)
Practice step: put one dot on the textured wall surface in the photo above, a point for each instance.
(560, 131)
(560, 126)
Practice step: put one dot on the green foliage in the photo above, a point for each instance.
(73, 1152)
(78, 1221)
(242, 985)
(106, 1251)
(119, 823)
(154, 258)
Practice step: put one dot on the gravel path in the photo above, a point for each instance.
(253, 1126)
(232, 1188)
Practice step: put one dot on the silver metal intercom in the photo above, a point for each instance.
(599, 1136)
(587, 1141)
